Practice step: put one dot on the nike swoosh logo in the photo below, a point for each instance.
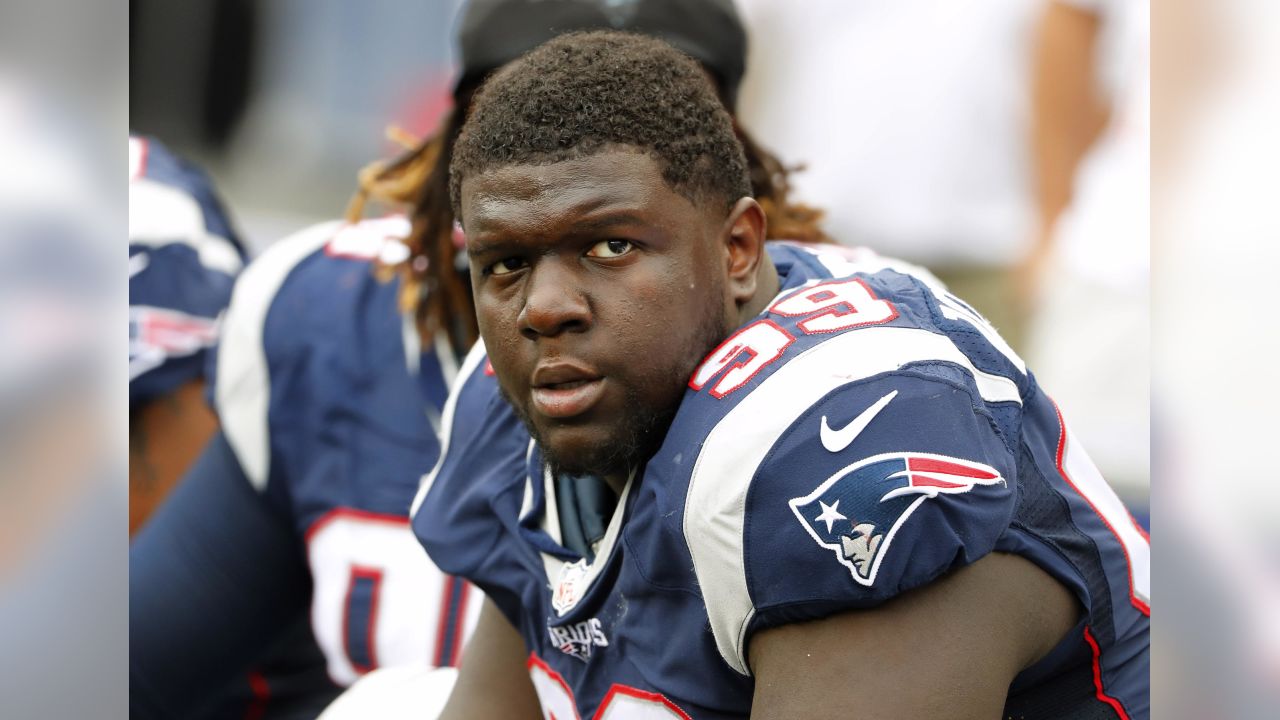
(837, 440)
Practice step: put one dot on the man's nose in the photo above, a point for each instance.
(553, 303)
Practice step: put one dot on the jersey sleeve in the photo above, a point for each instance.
(469, 505)
(247, 360)
(817, 495)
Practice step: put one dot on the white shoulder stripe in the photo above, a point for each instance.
(716, 503)
(243, 390)
(162, 215)
(469, 365)
(954, 309)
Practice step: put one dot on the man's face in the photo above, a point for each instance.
(598, 289)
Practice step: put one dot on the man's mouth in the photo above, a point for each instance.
(565, 389)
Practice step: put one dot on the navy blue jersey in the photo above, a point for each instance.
(331, 406)
(864, 435)
(183, 259)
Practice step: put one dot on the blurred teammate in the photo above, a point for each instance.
(184, 256)
(1087, 279)
(328, 389)
(859, 502)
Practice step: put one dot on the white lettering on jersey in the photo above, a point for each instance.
(835, 306)
(371, 565)
(578, 639)
(749, 350)
(622, 702)
(380, 239)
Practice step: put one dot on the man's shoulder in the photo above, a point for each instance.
(475, 486)
(173, 203)
(319, 284)
(855, 440)
(307, 318)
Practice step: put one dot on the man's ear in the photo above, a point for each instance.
(743, 235)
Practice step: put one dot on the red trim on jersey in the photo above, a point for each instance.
(815, 313)
(919, 464)
(445, 641)
(261, 695)
(619, 689)
(1138, 526)
(729, 367)
(374, 575)
(693, 379)
(1137, 602)
(365, 253)
(535, 661)
(1097, 677)
(336, 513)
(446, 595)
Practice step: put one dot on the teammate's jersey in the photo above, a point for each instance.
(331, 408)
(865, 434)
(183, 259)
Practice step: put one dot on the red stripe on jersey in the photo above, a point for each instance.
(1137, 602)
(261, 695)
(460, 623)
(949, 468)
(1097, 676)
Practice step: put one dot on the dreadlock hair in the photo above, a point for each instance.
(433, 287)
(436, 288)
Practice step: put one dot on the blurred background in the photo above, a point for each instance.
(63, 500)
(1006, 144)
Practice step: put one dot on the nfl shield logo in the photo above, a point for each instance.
(570, 586)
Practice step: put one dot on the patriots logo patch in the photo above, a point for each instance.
(857, 511)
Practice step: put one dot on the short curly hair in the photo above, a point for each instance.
(582, 93)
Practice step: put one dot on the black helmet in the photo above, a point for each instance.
(492, 33)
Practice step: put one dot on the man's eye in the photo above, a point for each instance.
(503, 267)
(610, 248)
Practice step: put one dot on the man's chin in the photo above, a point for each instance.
(601, 443)
(580, 451)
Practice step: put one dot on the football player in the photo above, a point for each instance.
(758, 478)
(184, 256)
(328, 389)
